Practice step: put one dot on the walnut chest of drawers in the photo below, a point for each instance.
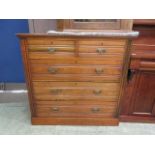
(76, 78)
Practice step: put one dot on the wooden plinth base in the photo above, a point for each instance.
(74, 121)
(137, 119)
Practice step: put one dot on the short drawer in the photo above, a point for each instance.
(102, 50)
(49, 41)
(75, 91)
(51, 49)
(78, 110)
(102, 42)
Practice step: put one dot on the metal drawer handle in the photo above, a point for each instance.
(55, 109)
(97, 92)
(55, 91)
(99, 70)
(101, 50)
(52, 70)
(51, 50)
(95, 109)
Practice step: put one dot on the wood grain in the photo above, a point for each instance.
(86, 85)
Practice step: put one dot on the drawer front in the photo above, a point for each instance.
(51, 49)
(78, 110)
(102, 42)
(78, 102)
(75, 91)
(70, 59)
(75, 69)
(76, 77)
(47, 55)
(99, 73)
(101, 50)
(50, 41)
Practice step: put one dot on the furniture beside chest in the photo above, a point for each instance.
(76, 78)
(139, 99)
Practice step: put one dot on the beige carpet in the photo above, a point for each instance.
(15, 119)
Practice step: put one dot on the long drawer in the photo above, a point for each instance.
(75, 73)
(75, 91)
(76, 102)
(75, 111)
(76, 77)
(47, 55)
(61, 59)
(75, 69)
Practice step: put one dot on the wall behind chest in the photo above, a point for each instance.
(11, 67)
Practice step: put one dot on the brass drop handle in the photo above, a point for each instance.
(52, 70)
(97, 92)
(55, 91)
(95, 109)
(99, 70)
(51, 50)
(101, 50)
(55, 109)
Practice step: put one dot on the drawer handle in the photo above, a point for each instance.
(52, 70)
(101, 50)
(55, 91)
(51, 50)
(95, 109)
(99, 70)
(97, 92)
(55, 109)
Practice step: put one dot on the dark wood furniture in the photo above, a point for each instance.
(138, 104)
(76, 78)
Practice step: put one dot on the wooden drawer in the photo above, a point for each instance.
(75, 91)
(76, 77)
(51, 49)
(50, 41)
(143, 64)
(78, 102)
(75, 69)
(75, 111)
(97, 73)
(102, 50)
(102, 42)
(46, 55)
(83, 58)
(57, 60)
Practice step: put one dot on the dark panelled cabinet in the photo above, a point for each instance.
(144, 100)
(138, 104)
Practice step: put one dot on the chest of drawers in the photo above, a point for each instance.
(76, 78)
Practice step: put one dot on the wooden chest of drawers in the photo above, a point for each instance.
(75, 78)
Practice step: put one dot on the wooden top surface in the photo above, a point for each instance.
(111, 33)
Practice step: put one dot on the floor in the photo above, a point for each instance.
(15, 119)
